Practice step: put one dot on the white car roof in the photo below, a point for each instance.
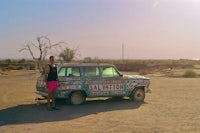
(83, 64)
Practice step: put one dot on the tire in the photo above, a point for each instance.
(138, 95)
(77, 98)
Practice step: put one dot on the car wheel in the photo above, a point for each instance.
(77, 97)
(138, 95)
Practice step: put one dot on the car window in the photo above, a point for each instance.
(91, 71)
(69, 72)
(75, 72)
(109, 72)
(62, 72)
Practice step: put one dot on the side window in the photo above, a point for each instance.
(91, 71)
(62, 72)
(109, 72)
(75, 72)
(69, 72)
(115, 72)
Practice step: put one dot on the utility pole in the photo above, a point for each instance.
(122, 51)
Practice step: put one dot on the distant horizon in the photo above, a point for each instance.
(31, 59)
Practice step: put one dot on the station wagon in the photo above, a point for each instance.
(78, 81)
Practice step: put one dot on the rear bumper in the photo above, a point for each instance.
(59, 94)
(44, 94)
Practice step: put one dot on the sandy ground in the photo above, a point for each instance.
(173, 107)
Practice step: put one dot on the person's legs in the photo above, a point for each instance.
(53, 98)
(52, 87)
(49, 97)
(54, 101)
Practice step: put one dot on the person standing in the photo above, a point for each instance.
(52, 83)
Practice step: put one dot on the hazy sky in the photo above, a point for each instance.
(149, 29)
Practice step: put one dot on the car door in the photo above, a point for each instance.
(69, 80)
(92, 83)
(112, 81)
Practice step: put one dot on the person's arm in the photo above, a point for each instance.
(57, 73)
(47, 70)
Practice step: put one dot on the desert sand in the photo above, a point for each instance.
(173, 107)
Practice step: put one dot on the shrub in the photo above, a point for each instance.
(22, 61)
(144, 72)
(190, 74)
(20, 68)
(7, 61)
(32, 67)
(12, 67)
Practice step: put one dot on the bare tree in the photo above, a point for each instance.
(44, 47)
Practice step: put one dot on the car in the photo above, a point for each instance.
(78, 81)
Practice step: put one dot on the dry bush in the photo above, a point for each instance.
(136, 65)
(14, 67)
(32, 67)
(190, 74)
(144, 71)
(20, 68)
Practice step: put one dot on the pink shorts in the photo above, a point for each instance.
(52, 85)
